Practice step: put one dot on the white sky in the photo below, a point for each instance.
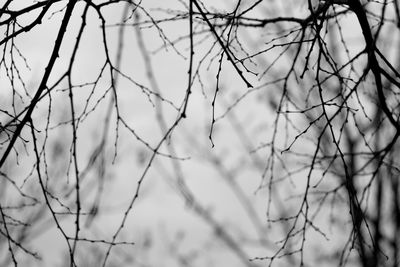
(159, 210)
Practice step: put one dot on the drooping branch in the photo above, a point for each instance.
(43, 84)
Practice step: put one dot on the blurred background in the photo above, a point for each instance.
(199, 133)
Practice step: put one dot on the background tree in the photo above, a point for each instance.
(277, 126)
